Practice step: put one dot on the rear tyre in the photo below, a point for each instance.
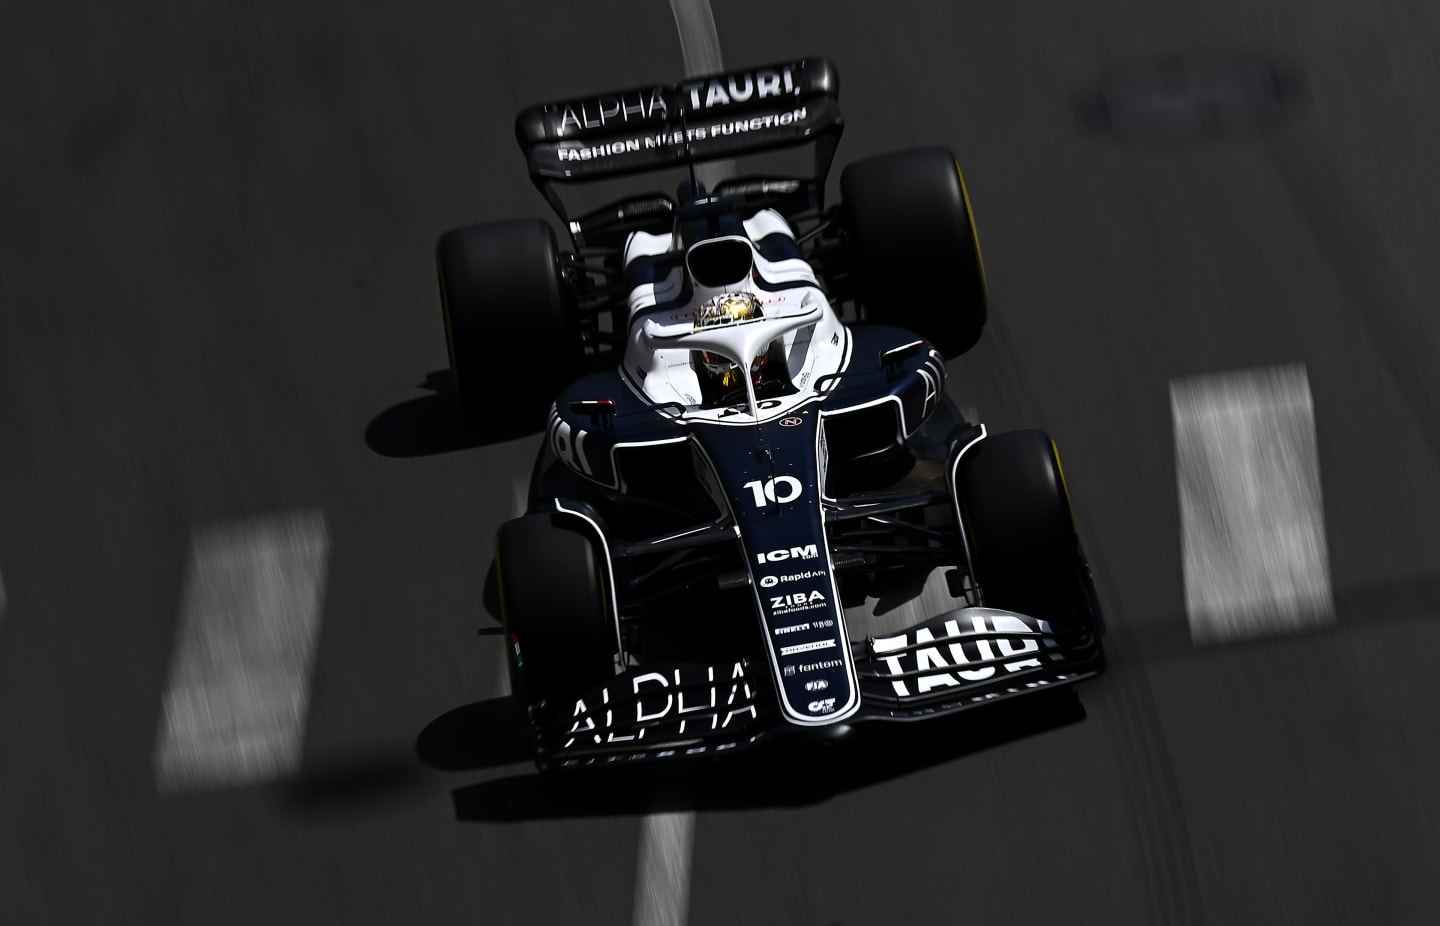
(1020, 528)
(914, 257)
(553, 603)
(510, 322)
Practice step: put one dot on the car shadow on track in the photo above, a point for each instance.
(792, 772)
(482, 735)
(430, 424)
(353, 782)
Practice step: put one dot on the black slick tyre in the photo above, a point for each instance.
(554, 604)
(510, 322)
(913, 253)
(1020, 528)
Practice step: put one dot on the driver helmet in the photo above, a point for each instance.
(728, 309)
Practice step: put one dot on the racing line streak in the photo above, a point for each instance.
(662, 883)
(662, 879)
(1252, 524)
(234, 710)
(700, 49)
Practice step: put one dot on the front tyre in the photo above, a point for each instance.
(913, 253)
(1021, 531)
(510, 322)
(554, 605)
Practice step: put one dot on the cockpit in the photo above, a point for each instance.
(727, 320)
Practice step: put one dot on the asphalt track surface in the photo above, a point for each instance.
(217, 288)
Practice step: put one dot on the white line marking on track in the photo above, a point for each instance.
(234, 710)
(1252, 523)
(662, 881)
(700, 48)
(699, 43)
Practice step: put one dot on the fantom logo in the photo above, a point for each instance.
(809, 551)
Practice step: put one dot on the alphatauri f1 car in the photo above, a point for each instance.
(750, 442)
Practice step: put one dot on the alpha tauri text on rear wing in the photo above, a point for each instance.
(705, 118)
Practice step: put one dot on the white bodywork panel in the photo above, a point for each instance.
(809, 338)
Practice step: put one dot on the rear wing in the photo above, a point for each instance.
(703, 119)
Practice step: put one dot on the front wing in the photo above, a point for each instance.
(954, 661)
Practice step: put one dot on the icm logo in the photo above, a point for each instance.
(823, 706)
(809, 551)
(816, 684)
(769, 582)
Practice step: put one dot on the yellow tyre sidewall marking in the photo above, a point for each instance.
(1064, 486)
(974, 235)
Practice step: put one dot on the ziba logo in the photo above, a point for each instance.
(797, 599)
(809, 551)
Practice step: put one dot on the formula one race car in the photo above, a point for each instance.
(733, 467)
